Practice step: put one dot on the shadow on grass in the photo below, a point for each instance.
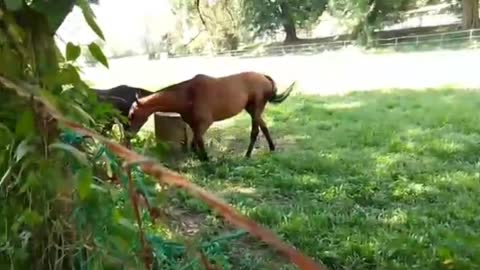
(370, 180)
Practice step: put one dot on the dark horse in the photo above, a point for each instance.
(121, 98)
(203, 100)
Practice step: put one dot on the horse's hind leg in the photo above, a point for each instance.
(265, 132)
(257, 121)
(255, 112)
(253, 136)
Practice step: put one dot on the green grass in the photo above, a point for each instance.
(370, 180)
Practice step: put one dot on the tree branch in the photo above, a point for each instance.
(193, 39)
(197, 5)
(230, 14)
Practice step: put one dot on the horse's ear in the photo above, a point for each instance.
(131, 111)
(137, 99)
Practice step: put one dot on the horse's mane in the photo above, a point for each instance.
(172, 87)
(161, 91)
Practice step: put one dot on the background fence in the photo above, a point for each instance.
(454, 39)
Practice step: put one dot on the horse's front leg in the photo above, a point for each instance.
(199, 128)
(193, 145)
(189, 122)
(201, 152)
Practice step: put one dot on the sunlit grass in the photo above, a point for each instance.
(371, 180)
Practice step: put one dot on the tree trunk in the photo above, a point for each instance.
(288, 24)
(29, 58)
(363, 29)
(290, 32)
(470, 18)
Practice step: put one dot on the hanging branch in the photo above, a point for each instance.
(197, 5)
(193, 39)
(146, 254)
(229, 13)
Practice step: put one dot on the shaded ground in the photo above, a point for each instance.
(370, 180)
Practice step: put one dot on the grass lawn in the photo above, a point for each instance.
(370, 180)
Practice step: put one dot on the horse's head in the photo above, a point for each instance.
(137, 115)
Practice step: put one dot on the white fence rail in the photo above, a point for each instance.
(465, 39)
(454, 39)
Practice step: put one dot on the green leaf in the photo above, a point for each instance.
(13, 5)
(22, 149)
(97, 53)
(32, 218)
(84, 183)
(31, 181)
(116, 215)
(8, 135)
(99, 188)
(25, 125)
(6, 175)
(49, 97)
(80, 156)
(126, 223)
(83, 113)
(68, 75)
(124, 229)
(90, 17)
(10, 67)
(119, 243)
(72, 51)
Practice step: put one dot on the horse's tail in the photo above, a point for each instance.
(278, 98)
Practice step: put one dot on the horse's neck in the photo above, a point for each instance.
(163, 101)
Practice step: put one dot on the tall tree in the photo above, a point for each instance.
(470, 18)
(219, 20)
(364, 15)
(266, 17)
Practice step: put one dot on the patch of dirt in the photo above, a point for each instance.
(185, 222)
(260, 252)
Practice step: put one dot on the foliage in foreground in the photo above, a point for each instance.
(379, 180)
(58, 207)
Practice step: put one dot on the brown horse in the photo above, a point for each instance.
(203, 100)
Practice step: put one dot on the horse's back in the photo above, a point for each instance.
(223, 96)
(253, 85)
(121, 96)
(240, 87)
(128, 93)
